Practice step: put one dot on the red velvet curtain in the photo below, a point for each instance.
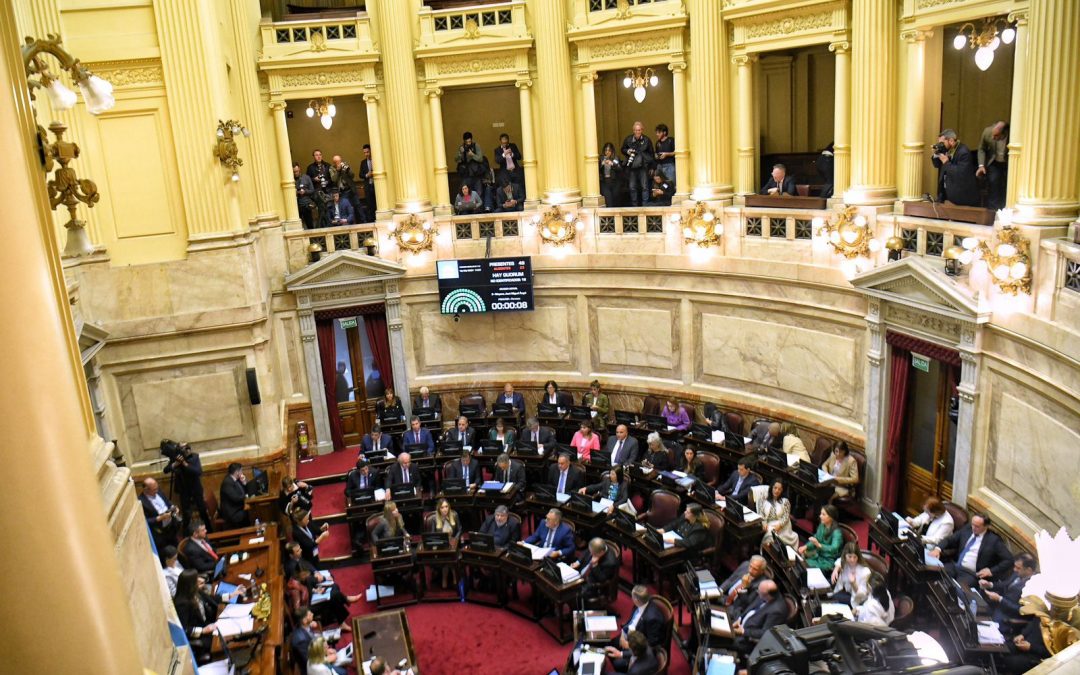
(324, 330)
(375, 325)
(899, 373)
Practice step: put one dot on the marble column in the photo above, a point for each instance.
(395, 22)
(378, 152)
(245, 28)
(1016, 112)
(592, 151)
(284, 158)
(555, 94)
(842, 118)
(398, 355)
(708, 89)
(324, 442)
(873, 111)
(528, 143)
(64, 571)
(682, 151)
(442, 186)
(1049, 172)
(746, 181)
(911, 175)
(876, 400)
(967, 392)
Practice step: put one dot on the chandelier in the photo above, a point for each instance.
(700, 227)
(637, 80)
(985, 40)
(324, 109)
(556, 227)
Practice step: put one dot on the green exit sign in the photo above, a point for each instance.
(920, 362)
(347, 323)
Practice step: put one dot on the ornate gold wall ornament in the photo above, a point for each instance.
(556, 227)
(226, 150)
(614, 47)
(449, 66)
(414, 234)
(789, 24)
(700, 226)
(67, 189)
(262, 607)
(1051, 594)
(622, 10)
(472, 29)
(321, 78)
(1008, 260)
(849, 235)
(133, 73)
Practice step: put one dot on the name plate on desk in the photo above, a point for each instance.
(784, 202)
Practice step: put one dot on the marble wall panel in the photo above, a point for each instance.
(627, 338)
(208, 407)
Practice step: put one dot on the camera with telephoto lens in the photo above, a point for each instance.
(940, 149)
(174, 450)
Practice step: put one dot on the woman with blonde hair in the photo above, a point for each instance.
(321, 657)
(446, 520)
(391, 524)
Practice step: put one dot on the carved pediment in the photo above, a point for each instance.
(921, 284)
(343, 268)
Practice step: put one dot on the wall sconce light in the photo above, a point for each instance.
(314, 252)
(226, 150)
(97, 93)
(637, 80)
(953, 263)
(67, 189)
(556, 227)
(985, 40)
(700, 227)
(849, 234)
(1051, 594)
(324, 109)
(1006, 258)
(414, 234)
(895, 246)
(371, 246)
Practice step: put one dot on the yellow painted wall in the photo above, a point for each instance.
(796, 100)
(346, 137)
(486, 112)
(971, 99)
(616, 109)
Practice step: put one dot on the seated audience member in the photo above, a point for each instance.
(499, 525)
(793, 445)
(936, 520)
(738, 484)
(543, 437)
(611, 178)
(362, 478)
(775, 512)
(646, 619)
(611, 486)
(308, 537)
(956, 171)
(825, 163)
(428, 400)
(597, 566)
(597, 401)
(1026, 650)
(321, 657)
(402, 473)
(462, 433)
(502, 433)
(171, 567)
(334, 609)
(552, 395)
(161, 515)
(376, 440)
(511, 398)
(779, 183)
(851, 576)
(743, 582)
(662, 190)
(509, 471)
(197, 610)
(585, 441)
(675, 415)
(689, 464)
(758, 615)
(637, 659)
(822, 549)
(233, 494)
(622, 447)
(766, 436)
(974, 552)
(468, 202)
(843, 467)
(302, 635)
(199, 552)
(509, 197)
(564, 476)
(389, 407)
(878, 608)
(295, 494)
(1004, 596)
(466, 469)
(418, 435)
(340, 210)
(446, 521)
(391, 524)
(656, 454)
(553, 533)
(378, 667)
(692, 527)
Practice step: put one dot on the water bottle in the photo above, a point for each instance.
(461, 589)
(258, 527)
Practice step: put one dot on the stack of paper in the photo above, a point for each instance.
(235, 625)
(602, 505)
(792, 459)
(568, 573)
(822, 476)
(638, 527)
(601, 624)
(562, 497)
(327, 579)
(670, 538)
(815, 579)
(320, 596)
(931, 561)
(749, 516)
(719, 621)
(721, 664)
(538, 552)
(383, 592)
(237, 611)
(990, 634)
(718, 437)
(836, 608)
(507, 488)
(628, 507)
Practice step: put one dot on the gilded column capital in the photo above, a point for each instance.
(371, 97)
(744, 59)
(840, 47)
(915, 35)
(677, 66)
(523, 84)
(587, 77)
(1019, 17)
(433, 92)
(277, 106)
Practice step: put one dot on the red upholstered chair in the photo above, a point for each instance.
(822, 448)
(959, 514)
(691, 411)
(792, 609)
(474, 398)
(849, 533)
(370, 524)
(210, 498)
(445, 469)
(711, 462)
(661, 661)
(803, 189)
(180, 552)
(735, 423)
(664, 605)
(903, 612)
(663, 509)
(651, 405)
(876, 563)
(710, 555)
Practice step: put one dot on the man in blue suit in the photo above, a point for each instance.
(554, 534)
(340, 211)
(738, 484)
(514, 399)
(376, 440)
(417, 435)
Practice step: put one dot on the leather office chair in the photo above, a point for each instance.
(180, 552)
(651, 405)
(711, 462)
(691, 411)
(475, 398)
(876, 563)
(369, 525)
(792, 609)
(609, 592)
(803, 189)
(822, 449)
(735, 423)
(661, 660)
(848, 533)
(663, 509)
(445, 469)
(710, 555)
(218, 523)
(903, 611)
(664, 605)
(959, 515)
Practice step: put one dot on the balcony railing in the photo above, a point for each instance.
(499, 20)
(927, 236)
(604, 5)
(305, 38)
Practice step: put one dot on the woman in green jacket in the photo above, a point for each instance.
(822, 549)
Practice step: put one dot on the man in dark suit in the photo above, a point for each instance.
(402, 473)
(738, 484)
(499, 525)
(340, 211)
(376, 440)
(743, 583)
(779, 183)
(367, 177)
(363, 477)
(466, 469)
(637, 659)
(509, 197)
(199, 552)
(534, 433)
(508, 163)
(509, 471)
(186, 469)
(418, 435)
(162, 517)
(768, 609)
(766, 435)
(597, 567)
(461, 433)
(302, 636)
(622, 446)
(974, 552)
(428, 400)
(1004, 596)
(553, 533)
(956, 172)
(233, 494)
(564, 477)
(512, 398)
(646, 619)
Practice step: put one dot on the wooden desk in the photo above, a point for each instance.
(436, 559)
(384, 634)
(960, 214)
(785, 201)
(491, 564)
(384, 566)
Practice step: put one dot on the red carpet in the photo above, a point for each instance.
(328, 500)
(328, 465)
(337, 544)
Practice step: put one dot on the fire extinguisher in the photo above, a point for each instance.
(302, 438)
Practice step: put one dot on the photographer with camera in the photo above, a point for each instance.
(186, 469)
(341, 179)
(956, 171)
(471, 164)
(638, 150)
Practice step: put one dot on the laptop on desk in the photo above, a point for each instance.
(390, 546)
(653, 537)
(547, 410)
(363, 496)
(502, 409)
(702, 432)
(544, 492)
(426, 414)
(482, 542)
(449, 448)
(600, 458)
(403, 491)
(471, 411)
(435, 541)
(522, 446)
(656, 422)
(453, 486)
(490, 447)
(733, 508)
(626, 417)
(580, 412)
(220, 568)
(520, 554)
(580, 502)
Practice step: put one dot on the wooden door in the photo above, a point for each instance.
(357, 411)
(931, 435)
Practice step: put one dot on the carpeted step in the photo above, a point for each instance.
(328, 500)
(328, 465)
